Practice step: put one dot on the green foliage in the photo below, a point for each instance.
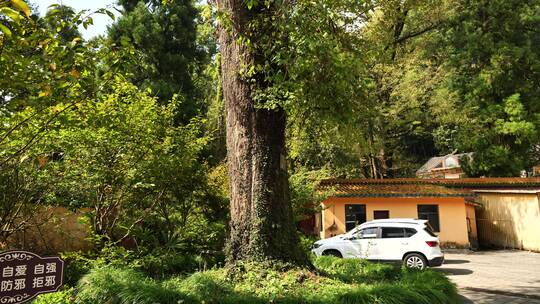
(58, 19)
(500, 159)
(77, 264)
(306, 241)
(64, 296)
(493, 67)
(255, 283)
(21, 197)
(419, 79)
(62, 75)
(305, 199)
(115, 286)
(142, 180)
(369, 118)
(164, 35)
(355, 271)
(74, 132)
(157, 263)
(139, 173)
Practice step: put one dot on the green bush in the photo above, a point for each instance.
(354, 270)
(337, 281)
(160, 263)
(77, 264)
(306, 241)
(121, 286)
(208, 287)
(157, 263)
(60, 297)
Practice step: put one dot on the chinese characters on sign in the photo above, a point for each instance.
(24, 275)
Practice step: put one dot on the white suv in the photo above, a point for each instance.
(408, 241)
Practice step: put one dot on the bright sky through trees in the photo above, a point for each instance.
(100, 21)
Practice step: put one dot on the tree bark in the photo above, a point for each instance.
(261, 224)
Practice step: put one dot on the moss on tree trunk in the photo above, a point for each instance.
(262, 225)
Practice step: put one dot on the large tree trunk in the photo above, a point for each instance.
(262, 226)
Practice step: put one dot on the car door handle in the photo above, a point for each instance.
(404, 243)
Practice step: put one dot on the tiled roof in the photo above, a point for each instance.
(397, 190)
(424, 187)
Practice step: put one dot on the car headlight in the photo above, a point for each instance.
(316, 245)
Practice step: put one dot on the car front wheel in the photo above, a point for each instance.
(415, 261)
(334, 253)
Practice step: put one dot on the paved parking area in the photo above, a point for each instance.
(506, 276)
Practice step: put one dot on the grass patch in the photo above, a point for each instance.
(341, 281)
(355, 270)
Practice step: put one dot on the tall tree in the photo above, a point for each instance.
(383, 127)
(165, 35)
(493, 63)
(261, 225)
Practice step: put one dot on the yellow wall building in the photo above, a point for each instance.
(358, 201)
(465, 212)
(53, 229)
(509, 218)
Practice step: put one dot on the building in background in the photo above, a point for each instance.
(465, 212)
(536, 170)
(450, 211)
(448, 166)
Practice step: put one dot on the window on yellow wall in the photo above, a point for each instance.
(381, 214)
(430, 213)
(355, 214)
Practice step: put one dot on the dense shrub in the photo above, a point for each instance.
(158, 263)
(77, 264)
(65, 296)
(114, 286)
(306, 241)
(338, 281)
(355, 271)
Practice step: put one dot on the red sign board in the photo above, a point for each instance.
(24, 275)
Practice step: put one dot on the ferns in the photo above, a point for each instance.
(340, 281)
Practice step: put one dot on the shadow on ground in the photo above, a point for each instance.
(465, 300)
(456, 261)
(455, 271)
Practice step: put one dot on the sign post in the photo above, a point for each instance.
(24, 275)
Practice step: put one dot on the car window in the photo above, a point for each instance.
(366, 231)
(429, 230)
(392, 232)
(410, 232)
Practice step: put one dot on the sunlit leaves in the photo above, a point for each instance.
(4, 29)
(10, 13)
(251, 3)
(106, 12)
(87, 22)
(21, 6)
